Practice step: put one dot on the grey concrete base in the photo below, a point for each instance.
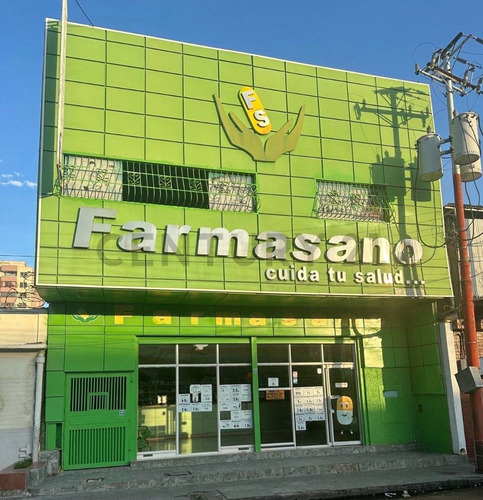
(358, 450)
(52, 460)
(37, 474)
(15, 494)
(287, 475)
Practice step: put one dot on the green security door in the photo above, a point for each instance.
(97, 424)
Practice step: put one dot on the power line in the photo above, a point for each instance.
(84, 12)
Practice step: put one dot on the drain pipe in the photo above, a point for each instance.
(39, 362)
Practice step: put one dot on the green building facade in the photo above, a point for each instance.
(237, 254)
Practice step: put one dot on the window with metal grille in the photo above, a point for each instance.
(98, 393)
(158, 184)
(96, 178)
(358, 202)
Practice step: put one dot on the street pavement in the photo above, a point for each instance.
(374, 484)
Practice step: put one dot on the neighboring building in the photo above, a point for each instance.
(23, 336)
(17, 288)
(474, 229)
(213, 291)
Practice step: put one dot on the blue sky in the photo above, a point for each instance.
(384, 38)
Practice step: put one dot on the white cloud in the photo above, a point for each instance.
(19, 184)
(17, 174)
(12, 183)
(6, 176)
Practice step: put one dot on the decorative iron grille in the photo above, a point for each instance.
(92, 178)
(358, 202)
(235, 192)
(158, 184)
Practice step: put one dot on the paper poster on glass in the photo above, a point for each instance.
(308, 405)
(184, 399)
(273, 382)
(245, 392)
(232, 406)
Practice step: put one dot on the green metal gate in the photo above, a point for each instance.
(96, 430)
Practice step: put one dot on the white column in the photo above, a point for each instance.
(448, 358)
(39, 361)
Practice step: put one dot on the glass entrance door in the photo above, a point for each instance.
(308, 395)
(344, 406)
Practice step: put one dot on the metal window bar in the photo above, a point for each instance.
(234, 192)
(98, 393)
(165, 184)
(160, 184)
(86, 177)
(357, 202)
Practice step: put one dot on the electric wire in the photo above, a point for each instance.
(84, 12)
(434, 247)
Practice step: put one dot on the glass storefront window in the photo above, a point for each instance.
(273, 376)
(157, 409)
(197, 398)
(276, 425)
(309, 405)
(236, 406)
(198, 421)
(235, 353)
(307, 353)
(273, 353)
(197, 354)
(158, 354)
(338, 353)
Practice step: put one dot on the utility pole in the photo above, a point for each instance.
(61, 92)
(439, 69)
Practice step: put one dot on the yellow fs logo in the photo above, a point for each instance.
(282, 141)
(254, 110)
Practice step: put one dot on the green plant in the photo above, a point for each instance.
(23, 464)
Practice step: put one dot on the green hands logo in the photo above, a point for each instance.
(83, 317)
(242, 137)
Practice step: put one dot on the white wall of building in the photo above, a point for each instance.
(17, 386)
(22, 337)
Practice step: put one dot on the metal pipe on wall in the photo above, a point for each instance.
(39, 364)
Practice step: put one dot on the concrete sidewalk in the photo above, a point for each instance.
(348, 485)
(271, 475)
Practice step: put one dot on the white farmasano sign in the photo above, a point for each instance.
(142, 236)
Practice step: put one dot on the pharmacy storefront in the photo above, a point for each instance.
(210, 387)
(237, 253)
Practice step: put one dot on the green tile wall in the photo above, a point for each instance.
(107, 336)
(144, 99)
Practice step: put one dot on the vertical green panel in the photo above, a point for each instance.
(120, 352)
(433, 423)
(50, 436)
(79, 348)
